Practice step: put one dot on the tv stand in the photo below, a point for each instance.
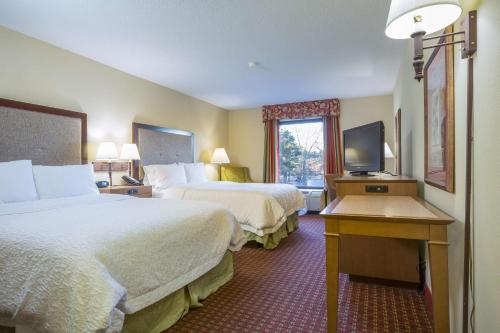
(361, 174)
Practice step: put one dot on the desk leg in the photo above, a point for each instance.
(332, 272)
(438, 258)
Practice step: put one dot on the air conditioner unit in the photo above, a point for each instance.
(314, 200)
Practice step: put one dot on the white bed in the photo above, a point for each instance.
(259, 208)
(267, 212)
(79, 264)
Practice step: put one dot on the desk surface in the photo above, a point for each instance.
(396, 208)
(377, 178)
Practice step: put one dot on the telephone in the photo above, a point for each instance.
(131, 181)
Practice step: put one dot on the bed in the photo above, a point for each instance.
(266, 212)
(92, 262)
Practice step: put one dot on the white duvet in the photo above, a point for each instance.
(79, 264)
(259, 208)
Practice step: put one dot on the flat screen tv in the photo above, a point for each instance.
(364, 149)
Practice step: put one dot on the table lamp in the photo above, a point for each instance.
(130, 153)
(107, 152)
(220, 157)
(387, 151)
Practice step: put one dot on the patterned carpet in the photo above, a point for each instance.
(283, 290)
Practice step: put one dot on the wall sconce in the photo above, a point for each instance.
(418, 18)
(414, 19)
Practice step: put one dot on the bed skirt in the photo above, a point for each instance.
(271, 241)
(165, 313)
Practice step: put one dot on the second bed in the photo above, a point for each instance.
(266, 212)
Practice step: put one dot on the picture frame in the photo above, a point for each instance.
(439, 117)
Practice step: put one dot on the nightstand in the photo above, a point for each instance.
(140, 191)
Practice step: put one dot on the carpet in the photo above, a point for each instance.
(283, 290)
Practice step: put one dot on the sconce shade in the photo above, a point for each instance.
(387, 151)
(107, 151)
(435, 15)
(220, 156)
(130, 152)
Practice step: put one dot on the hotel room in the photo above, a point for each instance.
(249, 166)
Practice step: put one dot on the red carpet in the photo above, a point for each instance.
(283, 290)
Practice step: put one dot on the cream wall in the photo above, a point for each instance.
(360, 111)
(246, 130)
(246, 140)
(36, 72)
(408, 94)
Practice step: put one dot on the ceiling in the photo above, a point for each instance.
(305, 49)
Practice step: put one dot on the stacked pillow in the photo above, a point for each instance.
(162, 176)
(21, 181)
(16, 182)
(64, 181)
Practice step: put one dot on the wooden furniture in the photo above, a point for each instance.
(161, 145)
(381, 258)
(42, 134)
(140, 191)
(402, 217)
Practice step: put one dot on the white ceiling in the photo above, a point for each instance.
(306, 49)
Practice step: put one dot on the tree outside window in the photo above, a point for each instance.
(301, 153)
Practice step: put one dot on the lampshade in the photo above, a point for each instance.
(107, 151)
(130, 152)
(435, 15)
(220, 156)
(387, 151)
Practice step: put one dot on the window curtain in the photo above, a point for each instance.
(333, 147)
(271, 146)
(328, 109)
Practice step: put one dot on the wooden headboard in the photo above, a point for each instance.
(161, 145)
(45, 135)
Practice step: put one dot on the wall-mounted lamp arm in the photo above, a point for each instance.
(444, 35)
(469, 42)
(443, 44)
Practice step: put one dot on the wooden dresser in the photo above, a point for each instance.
(382, 258)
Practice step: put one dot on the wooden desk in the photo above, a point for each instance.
(374, 257)
(401, 217)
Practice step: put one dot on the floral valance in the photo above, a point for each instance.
(301, 110)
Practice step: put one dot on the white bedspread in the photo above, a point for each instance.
(259, 208)
(79, 264)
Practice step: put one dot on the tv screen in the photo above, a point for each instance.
(364, 148)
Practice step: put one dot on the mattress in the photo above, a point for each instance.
(259, 208)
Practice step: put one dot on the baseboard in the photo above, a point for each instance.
(428, 298)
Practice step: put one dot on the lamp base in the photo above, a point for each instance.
(110, 174)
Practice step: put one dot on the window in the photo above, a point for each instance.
(301, 153)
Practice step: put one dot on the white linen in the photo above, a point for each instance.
(195, 173)
(79, 264)
(16, 181)
(64, 181)
(165, 175)
(259, 208)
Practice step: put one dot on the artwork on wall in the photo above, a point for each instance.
(397, 139)
(439, 116)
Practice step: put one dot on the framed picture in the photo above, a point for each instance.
(439, 113)
(397, 133)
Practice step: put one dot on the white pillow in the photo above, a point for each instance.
(162, 176)
(64, 181)
(16, 182)
(195, 173)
